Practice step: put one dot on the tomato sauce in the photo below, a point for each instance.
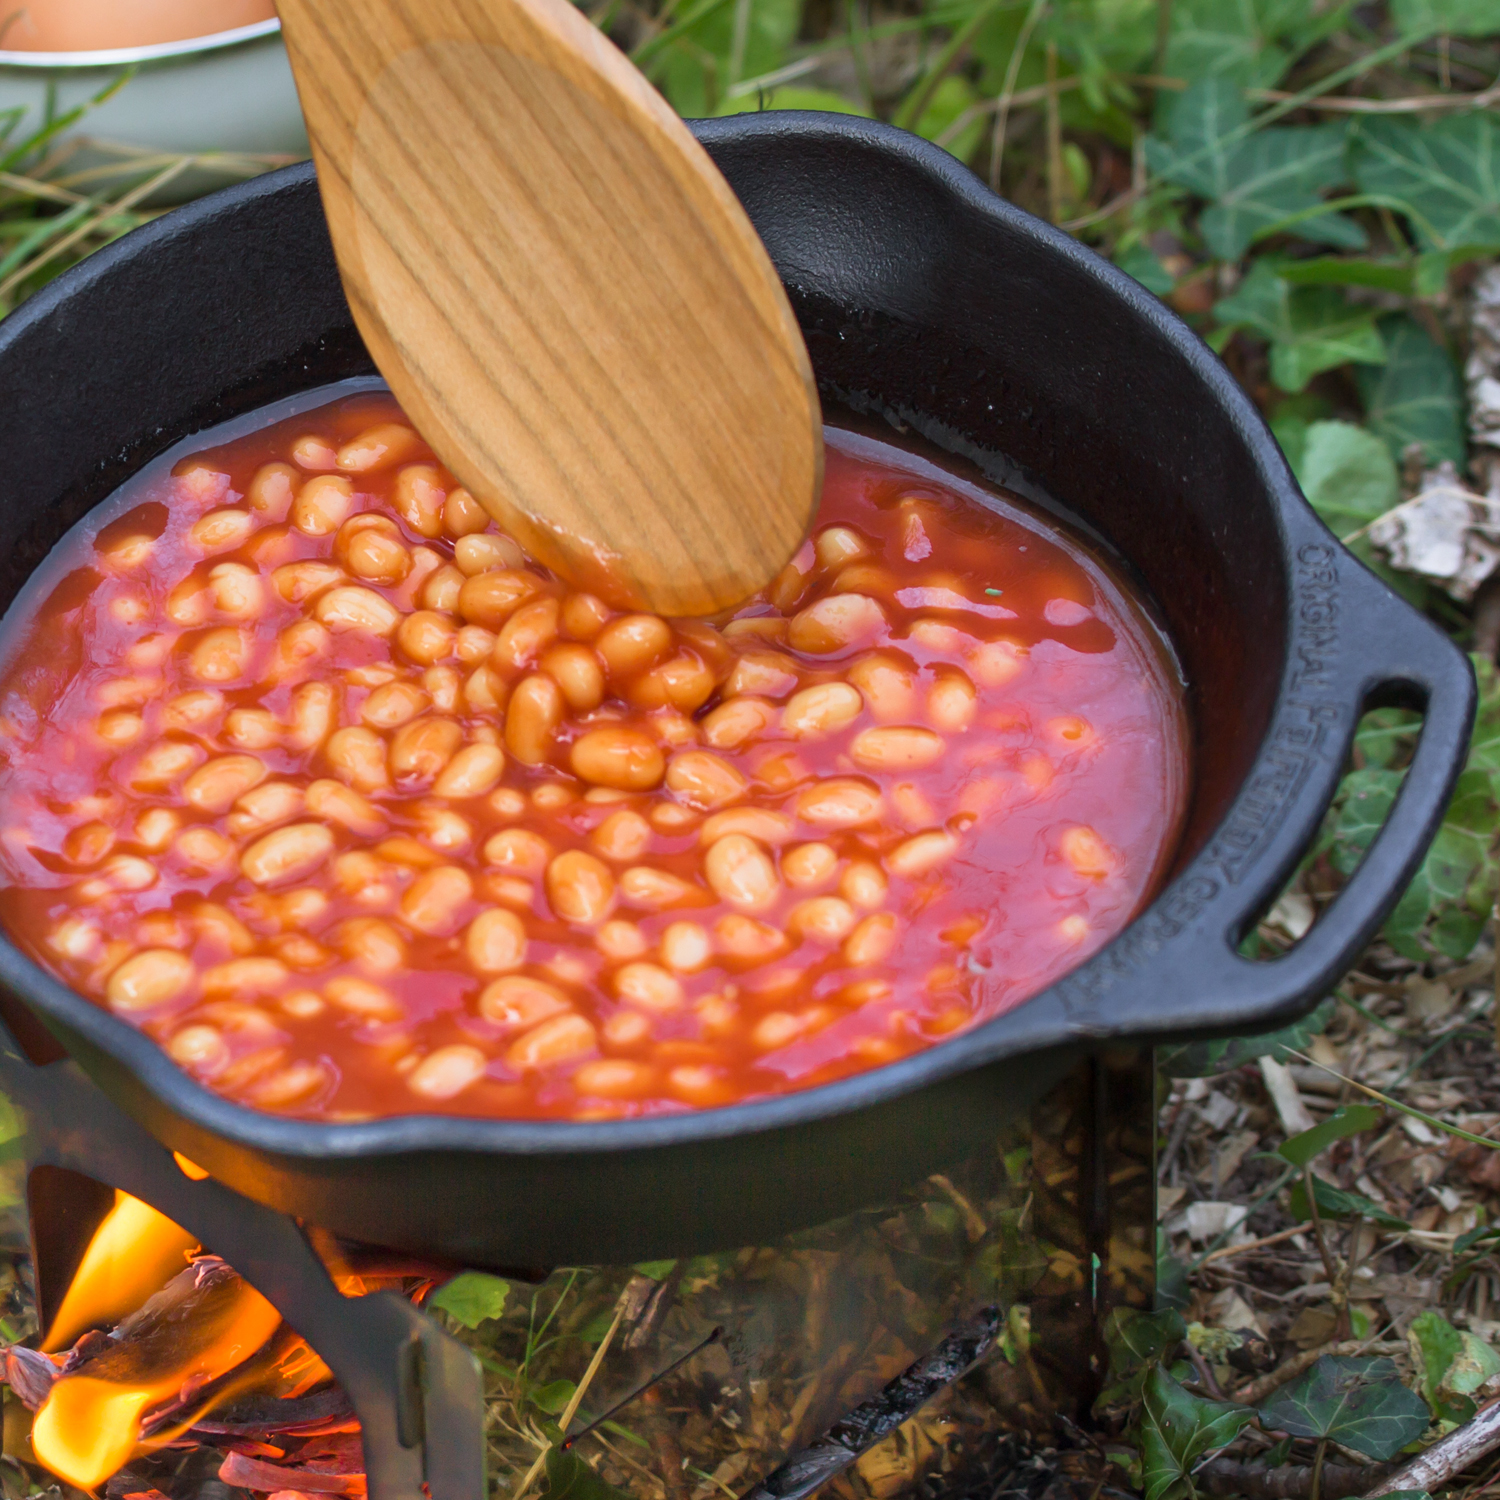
(312, 776)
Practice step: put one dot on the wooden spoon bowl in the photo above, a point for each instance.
(563, 293)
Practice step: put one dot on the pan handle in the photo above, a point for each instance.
(1355, 646)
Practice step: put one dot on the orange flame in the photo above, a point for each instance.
(91, 1421)
(134, 1252)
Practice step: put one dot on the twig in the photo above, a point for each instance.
(1289, 1369)
(1448, 1456)
(570, 1410)
(1226, 1476)
(1054, 140)
(1006, 98)
(1270, 1239)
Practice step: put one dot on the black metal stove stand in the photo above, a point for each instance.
(418, 1392)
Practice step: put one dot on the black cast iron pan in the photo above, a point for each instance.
(924, 298)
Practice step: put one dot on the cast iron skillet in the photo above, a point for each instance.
(927, 299)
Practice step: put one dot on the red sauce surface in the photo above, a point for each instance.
(941, 762)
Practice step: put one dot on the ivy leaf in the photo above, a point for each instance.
(1416, 19)
(1347, 475)
(1384, 275)
(1309, 328)
(1176, 1429)
(1447, 171)
(1136, 1342)
(1435, 1345)
(1357, 1401)
(1204, 1059)
(657, 1270)
(1254, 182)
(1338, 1203)
(1238, 38)
(471, 1297)
(1415, 397)
(949, 100)
(1350, 1120)
(570, 1478)
(1138, 261)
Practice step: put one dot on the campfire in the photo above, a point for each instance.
(158, 1347)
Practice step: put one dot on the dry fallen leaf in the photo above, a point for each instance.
(1446, 532)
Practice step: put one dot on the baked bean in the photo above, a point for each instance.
(418, 498)
(995, 663)
(888, 685)
(835, 623)
(298, 582)
(485, 690)
(193, 710)
(704, 780)
(840, 802)
(920, 854)
(361, 998)
(426, 636)
(837, 545)
(377, 447)
(740, 873)
(632, 643)
(200, 1049)
(520, 850)
(820, 710)
(864, 884)
(373, 944)
(271, 492)
(420, 750)
(826, 919)
(322, 505)
(156, 828)
(684, 683)
(495, 942)
(764, 674)
(236, 590)
(657, 890)
(303, 1005)
(336, 803)
(672, 817)
(215, 786)
(650, 987)
(522, 637)
(297, 649)
(518, 1002)
(290, 1085)
(894, 747)
(759, 823)
(614, 1078)
(622, 836)
(359, 757)
(221, 530)
(1088, 854)
(442, 588)
(748, 938)
(313, 710)
(220, 655)
(244, 977)
(218, 925)
(559, 1040)
(253, 728)
(463, 515)
(120, 727)
(163, 763)
(473, 644)
(375, 554)
(472, 772)
(576, 670)
(732, 724)
(287, 854)
(149, 979)
(809, 865)
(393, 704)
(686, 947)
(953, 702)
(532, 715)
(872, 941)
(89, 844)
(434, 899)
(447, 1072)
(615, 756)
(444, 685)
(480, 554)
(489, 599)
(583, 616)
(444, 829)
(580, 888)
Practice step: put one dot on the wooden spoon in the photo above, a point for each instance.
(563, 293)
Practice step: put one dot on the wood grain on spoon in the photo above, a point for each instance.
(563, 292)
